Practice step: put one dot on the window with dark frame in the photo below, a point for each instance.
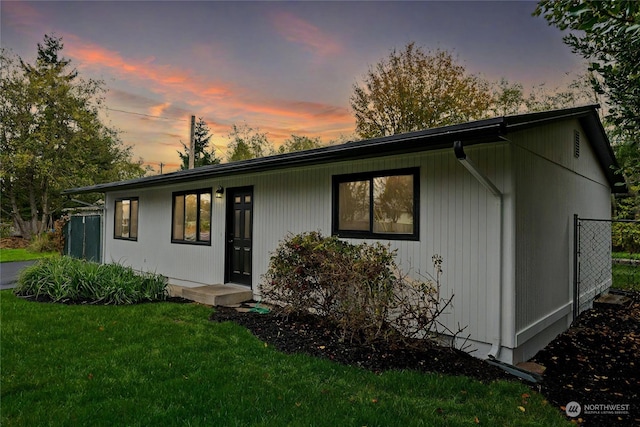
(191, 222)
(383, 204)
(126, 219)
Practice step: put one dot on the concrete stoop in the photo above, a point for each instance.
(213, 294)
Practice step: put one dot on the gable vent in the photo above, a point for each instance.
(576, 144)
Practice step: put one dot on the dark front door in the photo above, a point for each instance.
(239, 234)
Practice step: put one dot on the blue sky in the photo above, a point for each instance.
(283, 67)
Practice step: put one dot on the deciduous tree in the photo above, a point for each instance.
(299, 143)
(607, 34)
(412, 90)
(247, 143)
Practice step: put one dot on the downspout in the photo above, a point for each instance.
(490, 186)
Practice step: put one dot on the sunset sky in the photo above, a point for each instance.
(283, 67)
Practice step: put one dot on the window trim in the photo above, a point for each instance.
(115, 217)
(197, 192)
(369, 176)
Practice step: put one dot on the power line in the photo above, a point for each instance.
(146, 115)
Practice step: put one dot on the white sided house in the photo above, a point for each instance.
(495, 198)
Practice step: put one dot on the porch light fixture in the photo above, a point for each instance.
(219, 192)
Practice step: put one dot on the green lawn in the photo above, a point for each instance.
(165, 364)
(10, 255)
(626, 277)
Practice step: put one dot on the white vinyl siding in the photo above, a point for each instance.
(459, 220)
(552, 185)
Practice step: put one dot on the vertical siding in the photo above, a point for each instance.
(458, 219)
(552, 186)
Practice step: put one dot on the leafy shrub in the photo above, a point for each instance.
(625, 237)
(69, 280)
(5, 230)
(357, 287)
(42, 243)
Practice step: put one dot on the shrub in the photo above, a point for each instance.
(69, 280)
(42, 243)
(357, 287)
(625, 237)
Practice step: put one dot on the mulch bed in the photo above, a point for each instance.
(13, 243)
(593, 363)
(596, 362)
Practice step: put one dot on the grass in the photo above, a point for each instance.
(11, 255)
(626, 277)
(166, 364)
(625, 255)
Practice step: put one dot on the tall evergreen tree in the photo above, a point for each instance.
(202, 155)
(51, 137)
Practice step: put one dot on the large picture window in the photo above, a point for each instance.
(376, 204)
(192, 217)
(126, 219)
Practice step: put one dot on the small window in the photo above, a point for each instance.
(378, 205)
(126, 219)
(576, 144)
(192, 217)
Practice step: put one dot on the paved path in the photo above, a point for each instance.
(9, 272)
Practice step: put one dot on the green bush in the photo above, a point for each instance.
(5, 230)
(357, 287)
(625, 237)
(69, 280)
(42, 243)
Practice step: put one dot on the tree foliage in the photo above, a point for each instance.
(201, 140)
(607, 34)
(511, 98)
(413, 90)
(51, 137)
(247, 143)
(299, 143)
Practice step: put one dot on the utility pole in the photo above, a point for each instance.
(161, 164)
(192, 157)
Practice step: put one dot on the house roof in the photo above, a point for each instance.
(471, 133)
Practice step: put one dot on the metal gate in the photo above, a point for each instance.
(596, 269)
(84, 237)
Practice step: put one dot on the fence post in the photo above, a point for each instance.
(576, 253)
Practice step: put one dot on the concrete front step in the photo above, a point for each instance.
(215, 294)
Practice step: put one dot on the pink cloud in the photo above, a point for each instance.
(181, 92)
(21, 16)
(299, 31)
(163, 78)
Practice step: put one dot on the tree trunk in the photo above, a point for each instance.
(44, 223)
(22, 225)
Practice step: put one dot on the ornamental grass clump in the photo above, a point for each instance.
(69, 280)
(359, 288)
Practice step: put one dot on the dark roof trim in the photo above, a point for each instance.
(478, 132)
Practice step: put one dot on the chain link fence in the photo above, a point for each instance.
(607, 256)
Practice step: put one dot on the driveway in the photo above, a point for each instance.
(9, 272)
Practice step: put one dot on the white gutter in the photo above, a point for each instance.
(490, 186)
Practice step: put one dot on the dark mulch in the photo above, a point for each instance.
(593, 363)
(311, 335)
(596, 362)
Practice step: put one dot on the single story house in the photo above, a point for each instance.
(495, 198)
